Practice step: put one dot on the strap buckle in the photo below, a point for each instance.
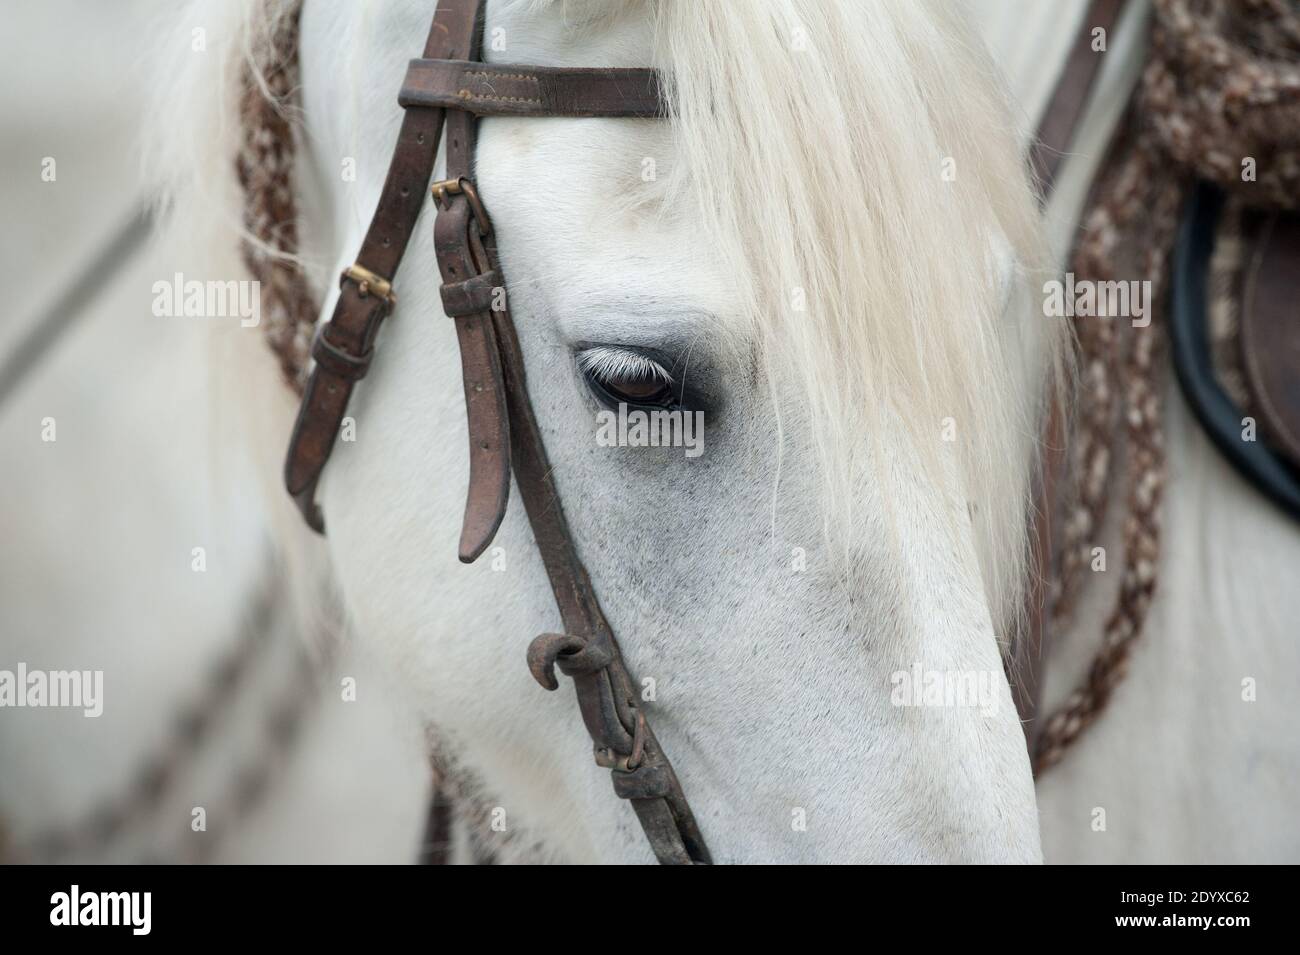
(629, 763)
(462, 185)
(368, 283)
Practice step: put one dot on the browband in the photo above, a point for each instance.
(491, 89)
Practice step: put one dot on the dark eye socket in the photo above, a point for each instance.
(619, 377)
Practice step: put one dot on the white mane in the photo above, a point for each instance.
(195, 110)
(813, 139)
(812, 142)
(808, 147)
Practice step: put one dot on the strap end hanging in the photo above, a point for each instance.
(469, 283)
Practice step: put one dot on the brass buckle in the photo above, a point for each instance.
(444, 188)
(369, 283)
(462, 186)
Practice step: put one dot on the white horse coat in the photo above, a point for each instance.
(772, 650)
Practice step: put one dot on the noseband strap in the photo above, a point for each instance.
(451, 85)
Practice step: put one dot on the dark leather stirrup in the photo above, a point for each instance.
(503, 431)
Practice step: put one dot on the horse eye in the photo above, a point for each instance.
(617, 377)
(639, 390)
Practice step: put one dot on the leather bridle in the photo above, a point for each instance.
(451, 84)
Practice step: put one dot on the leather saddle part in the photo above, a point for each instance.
(1270, 328)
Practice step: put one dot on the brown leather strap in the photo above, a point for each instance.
(487, 89)
(502, 428)
(492, 362)
(458, 234)
(344, 344)
(587, 651)
(1070, 96)
(1055, 133)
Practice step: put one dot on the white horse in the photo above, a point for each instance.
(826, 250)
(820, 250)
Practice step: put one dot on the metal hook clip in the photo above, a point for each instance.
(545, 650)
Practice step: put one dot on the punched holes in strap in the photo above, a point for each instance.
(472, 296)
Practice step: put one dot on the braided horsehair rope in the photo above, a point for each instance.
(1222, 83)
(265, 164)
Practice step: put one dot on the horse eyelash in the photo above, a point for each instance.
(611, 364)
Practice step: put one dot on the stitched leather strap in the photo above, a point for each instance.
(486, 89)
